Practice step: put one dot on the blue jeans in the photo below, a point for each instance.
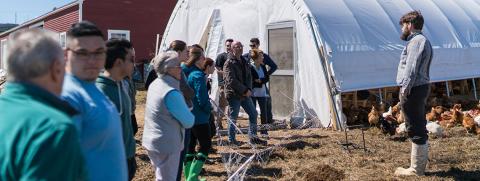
(234, 108)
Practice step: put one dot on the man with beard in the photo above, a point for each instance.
(414, 76)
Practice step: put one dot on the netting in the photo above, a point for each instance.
(237, 161)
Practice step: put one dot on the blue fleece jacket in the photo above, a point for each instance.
(100, 129)
(201, 104)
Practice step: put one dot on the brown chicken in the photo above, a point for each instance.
(396, 109)
(373, 117)
(400, 117)
(397, 113)
(435, 113)
(457, 114)
(432, 115)
(457, 107)
(439, 109)
(446, 120)
(469, 124)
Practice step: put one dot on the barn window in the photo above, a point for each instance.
(3, 53)
(63, 39)
(120, 34)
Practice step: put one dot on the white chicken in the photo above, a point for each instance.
(401, 129)
(435, 129)
(477, 120)
(432, 127)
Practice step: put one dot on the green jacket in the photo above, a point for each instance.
(38, 139)
(121, 99)
(129, 86)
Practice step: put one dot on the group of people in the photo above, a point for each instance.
(179, 112)
(69, 113)
(62, 119)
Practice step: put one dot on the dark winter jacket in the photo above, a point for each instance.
(237, 77)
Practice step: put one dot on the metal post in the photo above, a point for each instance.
(80, 10)
(363, 139)
(346, 144)
(156, 44)
(474, 89)
(381, 96)
(448, 89)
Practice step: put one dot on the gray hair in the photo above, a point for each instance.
(31, 53)
(165, 60)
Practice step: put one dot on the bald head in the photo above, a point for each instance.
(237, 49)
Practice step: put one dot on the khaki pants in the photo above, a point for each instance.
(223, 103)
(166, 165)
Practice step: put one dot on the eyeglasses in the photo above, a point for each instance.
(253, 46)
(85, 55)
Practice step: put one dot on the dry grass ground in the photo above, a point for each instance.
(314, 154)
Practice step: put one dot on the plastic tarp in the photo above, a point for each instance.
(242, 20)
(364, 46)
(360, 40)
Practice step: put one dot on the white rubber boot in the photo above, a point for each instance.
(418, 161)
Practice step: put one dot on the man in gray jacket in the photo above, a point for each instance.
(238, 86)
(414, 78)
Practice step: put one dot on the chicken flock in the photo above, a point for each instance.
(438, 118)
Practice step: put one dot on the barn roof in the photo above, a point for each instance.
(28, 23)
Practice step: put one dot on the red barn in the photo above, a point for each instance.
(138, 21)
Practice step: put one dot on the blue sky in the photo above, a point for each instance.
(27, 9)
